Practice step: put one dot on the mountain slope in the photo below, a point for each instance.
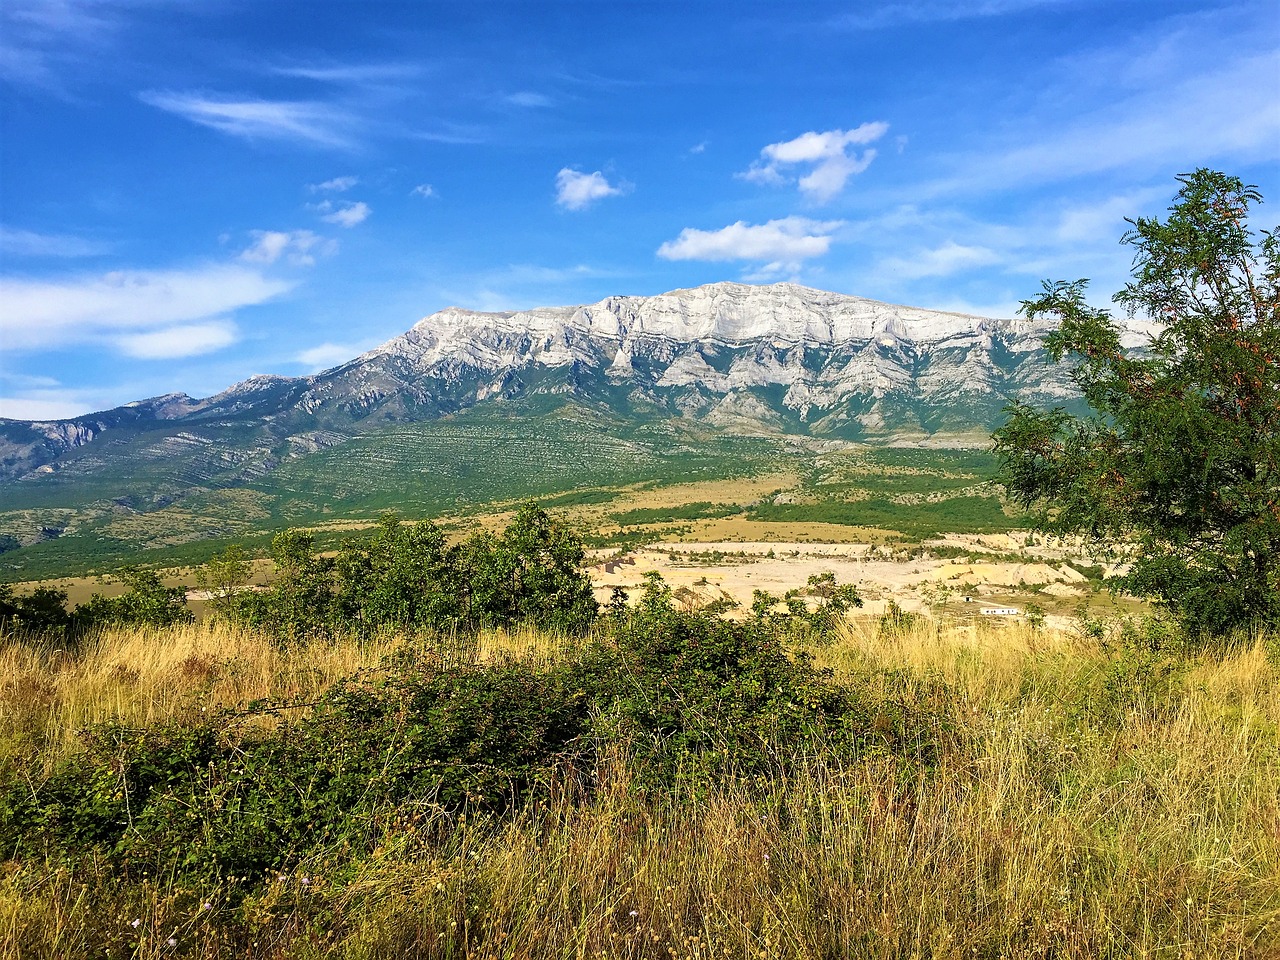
(781, 358)
(623, 387)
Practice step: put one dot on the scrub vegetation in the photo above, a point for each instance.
(795, 782)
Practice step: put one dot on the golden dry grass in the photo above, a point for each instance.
(1075, 814)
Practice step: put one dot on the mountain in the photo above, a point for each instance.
(780, 358)
(649, 375)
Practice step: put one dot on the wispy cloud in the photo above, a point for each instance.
(424, 190)
(298, 247)
(344, 215)
(188, 340)
(305, 121)
(336, 185)
(27, 243)
(871, 16)
(785, 242)
(827, 155)
(577, 191)
(326, 355)
(51, 401)
(1163, 122)
(949, 258)
(41, 41)
(41, 314)
(352, 74)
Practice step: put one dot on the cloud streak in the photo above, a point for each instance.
(936, 11)
(299, 247)
(785, 241)
(299, 121)
(349, 214)
(43, 314)
(28, 243)
(189, 340)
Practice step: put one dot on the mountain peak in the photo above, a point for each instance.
(804, 360)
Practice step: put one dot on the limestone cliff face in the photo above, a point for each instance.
(804, 354)
(780, 358)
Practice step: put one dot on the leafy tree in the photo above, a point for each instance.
(43, 610)
(1178, 466)
(224, 577)
(531, 573)
(406, 576)
(298, 604)
(148, 602)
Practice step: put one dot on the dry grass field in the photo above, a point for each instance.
(1091, 799)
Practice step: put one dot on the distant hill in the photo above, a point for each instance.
(621, 388)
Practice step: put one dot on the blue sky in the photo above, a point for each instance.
(195, 192)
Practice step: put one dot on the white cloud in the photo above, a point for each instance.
(424, 190)
(348, 215)
(188, 340)
(786, 241)
(41, 314)
(996, 309)
(45, 405)
(576, 190)
(358, 74)
(306, 121)
(336, 185)
(299, 247)
(1105, 219)
(949, 258)
(828, 152)
(27, 243)
(326, 355)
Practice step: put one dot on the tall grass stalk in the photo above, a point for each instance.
(1092, 801)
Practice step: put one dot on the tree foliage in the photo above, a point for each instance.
(147, 603)
(1178, 466)
(408, 576)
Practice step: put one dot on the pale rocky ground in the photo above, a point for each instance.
(700, 572)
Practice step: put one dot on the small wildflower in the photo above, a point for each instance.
(172, 941)
(135, 923)
(206, 905)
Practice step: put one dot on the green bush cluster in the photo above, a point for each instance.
(146, 603)
(408, 577)
(688, 697)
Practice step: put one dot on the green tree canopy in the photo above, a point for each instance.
(1178, 466)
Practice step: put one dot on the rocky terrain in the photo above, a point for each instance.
(780, 359)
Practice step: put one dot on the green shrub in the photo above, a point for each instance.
(148, 603)
(225, 798)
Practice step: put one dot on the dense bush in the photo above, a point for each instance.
(44, 610)
(690, 697)
(146, 603)
(408, 577)
(227, 797)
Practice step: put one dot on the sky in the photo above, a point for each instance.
(192, 193)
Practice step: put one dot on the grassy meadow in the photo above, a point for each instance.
(1034, 795)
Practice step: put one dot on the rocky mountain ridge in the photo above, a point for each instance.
(773, 359)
